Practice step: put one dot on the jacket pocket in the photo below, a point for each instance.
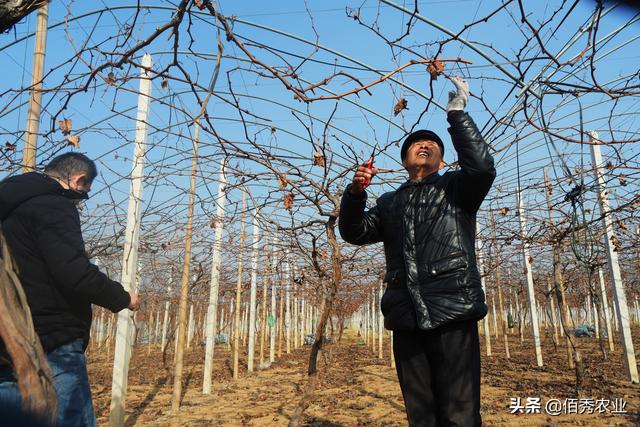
(398, 311)
(451, 264)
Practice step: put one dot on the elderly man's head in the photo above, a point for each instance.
(422, 153)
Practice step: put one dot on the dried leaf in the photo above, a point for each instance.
(530, 259)
(288, 200)
(73, 140)
(282, 181)
(165, 83)
(504, 211)
(111, 78)
(318, 159)
(9, 146)
(622, 225)
(214, 222)
(400, 105)
(65, 126)
(616, 244)
(435, 68)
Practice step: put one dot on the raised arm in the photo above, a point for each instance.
(477, 170)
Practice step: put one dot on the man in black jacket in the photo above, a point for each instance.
(434, 297)
(41, 225)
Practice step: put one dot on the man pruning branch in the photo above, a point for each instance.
(433, 296)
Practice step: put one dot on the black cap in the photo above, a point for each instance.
(420, 135)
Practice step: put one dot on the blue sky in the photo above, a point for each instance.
(104, 116)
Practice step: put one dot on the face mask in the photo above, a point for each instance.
(75, 195)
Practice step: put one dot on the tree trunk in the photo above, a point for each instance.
(562, 302)
(326, 307)
(558, 281)
(12, 12)
(22, 344)
(184, 285)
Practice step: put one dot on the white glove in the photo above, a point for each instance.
(458, 100)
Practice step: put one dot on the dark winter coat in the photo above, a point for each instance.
(41, 225)
(428, 229)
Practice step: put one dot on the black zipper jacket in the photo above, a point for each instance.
(428, 229)
(42, 228)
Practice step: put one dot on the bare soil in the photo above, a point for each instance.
(358, 388)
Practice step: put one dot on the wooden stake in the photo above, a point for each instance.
(304, 326)
(265, 290)
(287, 302)
(535, 330)
(101, 327)
(214, 283)
(380, 320)
(236, 323)
(554, 320)
(281, 317)
(614, 267)
(253, 290)
(272, 329)
(35, 96)
(497, 277)
(595, 316)
(244, 324)
(485, 321)
(150, 328)
(165, 320)
(496, 333)
(130, 254)
(156, 333)
(295, 319)
(190, 326)
(392, 357)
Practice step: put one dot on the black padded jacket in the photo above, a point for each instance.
(428, 230)
(42, 228)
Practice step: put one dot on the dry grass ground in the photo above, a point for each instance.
(359, 388)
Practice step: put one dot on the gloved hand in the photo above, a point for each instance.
(458, 100)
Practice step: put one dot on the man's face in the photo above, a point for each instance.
(79, 183)
(423, 155)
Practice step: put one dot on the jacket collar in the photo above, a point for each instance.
(428, 180)
(65, 192)
(17, 189)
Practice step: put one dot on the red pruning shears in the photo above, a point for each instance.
(369, 165)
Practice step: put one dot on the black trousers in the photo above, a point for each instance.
(439, 374)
